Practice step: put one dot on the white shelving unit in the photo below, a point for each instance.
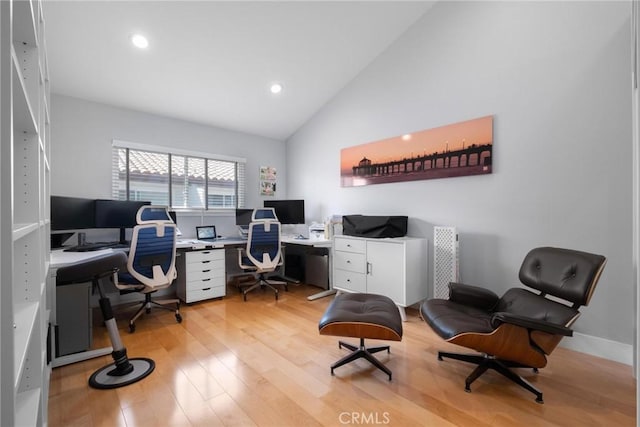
(24, 214)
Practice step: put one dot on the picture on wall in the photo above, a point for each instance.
(458, 149)
(267, 181)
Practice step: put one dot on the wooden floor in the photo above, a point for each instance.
(263, 363)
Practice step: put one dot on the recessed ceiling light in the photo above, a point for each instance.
(275, 88)
(406, 137)
(139, 41)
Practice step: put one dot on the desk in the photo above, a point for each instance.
(317, 243)
(59, 258)
(78, 316)
(193, 244)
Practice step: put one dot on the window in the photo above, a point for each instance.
(178, 180)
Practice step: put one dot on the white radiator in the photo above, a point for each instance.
(445, 260)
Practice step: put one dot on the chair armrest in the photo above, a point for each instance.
(529, 323)
(473, 296)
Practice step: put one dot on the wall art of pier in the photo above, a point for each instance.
(471, 160)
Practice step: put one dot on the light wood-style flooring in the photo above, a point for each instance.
(263, 363)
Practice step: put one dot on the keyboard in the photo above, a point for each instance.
(88, 247)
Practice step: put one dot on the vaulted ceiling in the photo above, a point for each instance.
(213, 62)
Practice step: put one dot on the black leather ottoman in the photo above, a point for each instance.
(362, 316)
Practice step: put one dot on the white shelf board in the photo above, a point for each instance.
(21, 230)
(25, 32)
(24, 119)
(27, 407)
(24, 321)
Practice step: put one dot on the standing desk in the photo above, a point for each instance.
(76, 311)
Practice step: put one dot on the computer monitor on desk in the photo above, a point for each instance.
(69, 215)
(119, 214)
(287, 211)
(243, 219)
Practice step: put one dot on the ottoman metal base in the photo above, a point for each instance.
(359, 352)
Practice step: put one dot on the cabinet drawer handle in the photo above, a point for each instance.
(206, 289)
(349, 280)
(206, 280)
(205, 262)
(348, 261)
(205, 252)
(206, 271)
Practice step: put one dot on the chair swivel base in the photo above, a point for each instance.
(146, 305)
(486, 362)
(362, 352)
(264, 283)
(122, 373)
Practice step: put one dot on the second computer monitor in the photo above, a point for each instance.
(72, 213)
(243, 217)
(117, 214)
(287, 211)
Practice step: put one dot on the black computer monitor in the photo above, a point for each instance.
(117, 214)
(287, 211)
(243, 216)
(72, 213)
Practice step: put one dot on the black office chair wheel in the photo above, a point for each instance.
(276, 295)
(178, 318)
(244, 295)
(132, 328)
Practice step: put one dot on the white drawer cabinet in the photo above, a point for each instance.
(392, 267)
(201, 275)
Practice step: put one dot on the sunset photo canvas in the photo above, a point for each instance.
(458, 149)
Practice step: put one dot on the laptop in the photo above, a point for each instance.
(206, 233)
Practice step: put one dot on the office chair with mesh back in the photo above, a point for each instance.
(519, 329)
(263, 253)
(151, 261)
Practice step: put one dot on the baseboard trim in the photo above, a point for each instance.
(600, 347)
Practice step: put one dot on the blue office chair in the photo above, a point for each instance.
(151, 262)
(263, 253)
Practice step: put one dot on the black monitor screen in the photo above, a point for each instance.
(287, 211)
(243, 216)
(117, 213)
(72, 213)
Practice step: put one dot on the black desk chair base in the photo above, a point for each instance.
(262, 282)
(486, 362)
(113, 376)
(145, 307)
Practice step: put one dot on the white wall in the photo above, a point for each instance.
(83, 131)
(555, 75)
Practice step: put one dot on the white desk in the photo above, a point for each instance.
(58, 259)
(287, 240)
(317, 243)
